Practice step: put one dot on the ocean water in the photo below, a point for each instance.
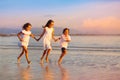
(78, 43)
(88, 58)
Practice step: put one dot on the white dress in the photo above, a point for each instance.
(25, 38)
(63, 43)
(47, 38)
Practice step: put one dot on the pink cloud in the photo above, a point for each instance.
(103, 22)
(102, 25)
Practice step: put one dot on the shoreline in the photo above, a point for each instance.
(8, 35)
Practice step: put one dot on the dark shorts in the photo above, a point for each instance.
(63, 49)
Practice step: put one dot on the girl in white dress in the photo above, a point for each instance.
(24, 37)
(64, 40)
(48, 35)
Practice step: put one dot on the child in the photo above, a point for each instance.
(24, 37)
(64, 39)
(48, 34)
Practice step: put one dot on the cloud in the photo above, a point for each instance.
(102, 25)
(87, 17)
(103, 22)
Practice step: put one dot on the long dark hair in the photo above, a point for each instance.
(48, 23)
(26, 25)
(65, 30)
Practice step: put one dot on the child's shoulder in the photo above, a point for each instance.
(27, 32)
(62, 35)
(23, 31)
(47, 28)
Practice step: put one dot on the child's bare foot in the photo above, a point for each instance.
(29, 62)
(41, 61)
(47, 60)
(18, 60)
(59, 61)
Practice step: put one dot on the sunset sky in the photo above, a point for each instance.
(86, 16)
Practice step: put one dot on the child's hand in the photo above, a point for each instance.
(37, 39)
(21, 39)
(57, 39)
(67, 40)
(32, 35)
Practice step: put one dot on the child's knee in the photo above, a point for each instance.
(49, 50)
(25, 49)
(64, 50)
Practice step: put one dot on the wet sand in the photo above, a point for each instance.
(75, 66)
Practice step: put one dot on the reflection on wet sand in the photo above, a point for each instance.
(64, 73)
(24, 72)
(53, 73)
(48, 74)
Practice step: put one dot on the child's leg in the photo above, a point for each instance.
(18, 58)
(26, 54)
(43, 56)
(48, 52)
(64, 51)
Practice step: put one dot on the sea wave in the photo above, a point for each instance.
(71, 48)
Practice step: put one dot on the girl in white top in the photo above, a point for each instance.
(64, 39)
(24, 37)
(48, 35)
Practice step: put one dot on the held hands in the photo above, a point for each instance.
(33, 36)
(38, 39)
(21, 39)
(57, 39)
(67, 40)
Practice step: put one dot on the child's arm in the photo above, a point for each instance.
(68, 39)
(57, 39)
(41, 34)
(53, 36)
(33, 36)
(18, 35)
